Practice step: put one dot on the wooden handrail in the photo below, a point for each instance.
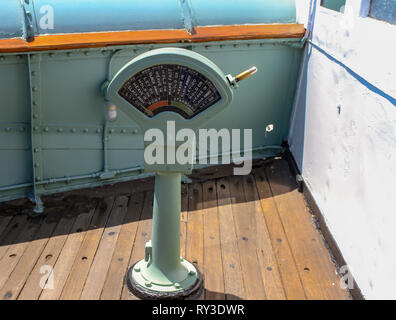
(103, 39)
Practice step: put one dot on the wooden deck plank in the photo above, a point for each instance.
(49, 256)
(232, 270)
(13, 230)
(112, 288)
(213, 265)
(100, 265)
(287, 267)
(67, 256)
(253, 237)
(143, 234)
(313, 261)
(195, 225)
(183, 219)
(17, 279)
(246, 231)
(4, 223)
(15, 251)
(270, 274)
(82, 264)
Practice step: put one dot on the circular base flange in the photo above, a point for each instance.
(191, 293)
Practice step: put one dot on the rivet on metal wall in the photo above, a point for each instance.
(22, 129)
(34, 103)
(7, 129)
(51, 54)
(69, 54)
(111, 131)
(36, 150)
(35, 116)
(123, 131)
(2, 58)
(36, 165)
(34, 89)
(34, 73)
(98, 131)
(135, 131)
(73, 130)
(46, 129)
(86, 130)
(60, 129)
(35, 128)
(86, 53)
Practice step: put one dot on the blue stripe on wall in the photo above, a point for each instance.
(363, 81)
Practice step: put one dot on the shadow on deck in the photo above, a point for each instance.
(252, 236)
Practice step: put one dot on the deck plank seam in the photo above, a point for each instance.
(147, 193)
(103, 228)
(97, 247)
(96, 252)
(29, 239)
(284, 231)
(271, 238)
(257, 198)
(64, 243)
(235, 229)
(220, 243)
(71, 228)
(130, 253)
(238, 240)
(111, 258)
(38, 258)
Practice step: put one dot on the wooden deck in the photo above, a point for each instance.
(253, 237)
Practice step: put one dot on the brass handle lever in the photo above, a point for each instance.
(245, 74)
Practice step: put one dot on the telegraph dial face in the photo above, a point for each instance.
(169, 84)
(170, 87)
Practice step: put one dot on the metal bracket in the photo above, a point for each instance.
(107, 175)
(187, 16)
(300, 183)
(231, 81)
(148, 251)
(29, 19)
(39, 206)
(185, 179)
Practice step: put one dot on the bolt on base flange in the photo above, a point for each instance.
(175, 291)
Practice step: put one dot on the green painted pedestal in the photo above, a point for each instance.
(163, 274)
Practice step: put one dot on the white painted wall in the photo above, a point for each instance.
(343, 136)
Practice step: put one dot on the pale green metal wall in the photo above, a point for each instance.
(66, 139)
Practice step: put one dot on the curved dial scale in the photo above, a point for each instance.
(170, 87)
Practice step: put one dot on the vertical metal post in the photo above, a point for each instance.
(163, 273)
(166, 222)
(35, 125)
